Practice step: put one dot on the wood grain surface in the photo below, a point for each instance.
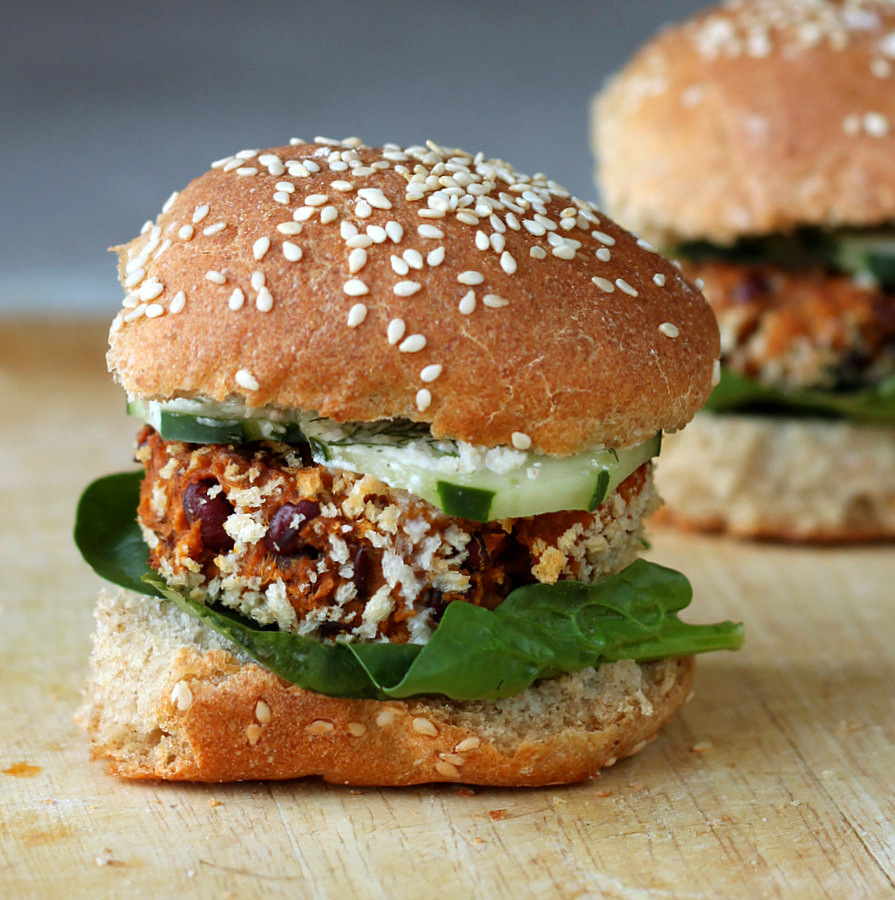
(777, 780)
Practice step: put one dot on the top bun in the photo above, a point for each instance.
(754, 117)
(425, 284)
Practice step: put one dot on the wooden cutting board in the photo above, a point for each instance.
(777, 780)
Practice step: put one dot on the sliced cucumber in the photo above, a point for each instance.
(542, 484)
(471, 483)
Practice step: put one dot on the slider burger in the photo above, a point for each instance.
(756, 143)
(399, 408)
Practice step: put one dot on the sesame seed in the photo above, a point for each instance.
(424, 726)
(281, 197)
(423, 402)
(507, 263)
(260, 247)
(481, 240)
(430, 213)
(342, 186)
(237, 299)
(446, 769)
(291, 251)
(154, 310)
(646, 245)
(431, 372)
(253, 733)
(181, 695)
(347, 230)
(258, 279)
(359, 240)
(436, 257)
(297, 170)
(134, 278)
(245, 379)
(316, 199)
(377, 234)
(498, 242)
(467, 303)
(214, 229)
(413, 258)
(357, 259)
(328, 214)
(399, 266)
(264, 300)
(412, 344)
(375, 198)
(247, 154)
(716, 372)
(604, 254)
(199, 213)
(363, 210)
(470, 277)
(603, 238)
(659, 279)
(289, 227)
(356, 315)
(177, 302)
(263, 713)
(669, 329)
(467, 217)
(216, 277)
(319, 727)
(355, 288)
(604, 284)
(496, 223)
(876, 124)
(699, 284)
(395, 330)
(624, 286)
(406, 288)
(186, 232)
(538, 253)
(394, 230)
(564, 251)
(430, 231)
(357, 729)
(166, 206)
(494, 301)
(453, 758)
(521, 441)
(246, 170)
(467, 744)
(286, 186)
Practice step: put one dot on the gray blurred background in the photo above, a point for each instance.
(106, 107)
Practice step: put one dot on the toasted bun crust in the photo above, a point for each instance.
(546, 351)
(753, 117)
(762, 476)
(195, 710)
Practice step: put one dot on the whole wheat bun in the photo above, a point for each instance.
(753, 117)
(169, 699)
(779, 478)
(474, 298)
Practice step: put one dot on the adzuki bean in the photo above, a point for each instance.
(210, 512)
(284, 532)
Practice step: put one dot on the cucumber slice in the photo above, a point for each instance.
(542, 484)
(495, 484)
(200, 429)
(870, 253)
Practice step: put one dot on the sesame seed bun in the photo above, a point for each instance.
(750, 118)
(197, 710)
(424, 284)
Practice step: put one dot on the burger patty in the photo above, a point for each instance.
(800, 329)
(263, 529)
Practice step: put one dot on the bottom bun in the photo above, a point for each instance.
(168, 698)
(786, 479)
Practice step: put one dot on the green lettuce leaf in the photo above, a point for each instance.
(737, 393)
(539, 631)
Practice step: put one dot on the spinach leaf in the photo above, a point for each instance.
(539, 631)
(737, 393)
